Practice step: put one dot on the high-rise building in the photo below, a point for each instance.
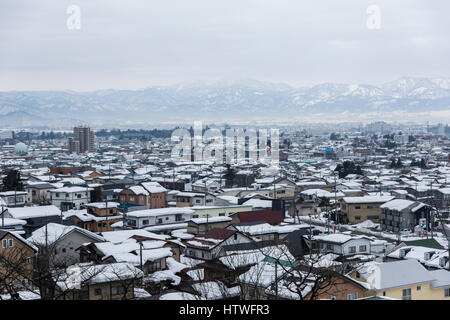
(82, 141)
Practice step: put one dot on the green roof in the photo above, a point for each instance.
(427, 243)
(284, 263)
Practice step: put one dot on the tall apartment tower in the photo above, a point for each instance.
(82, 141)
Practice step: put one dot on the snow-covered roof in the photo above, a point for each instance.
(147, 255)
(160, 212)
(153, 187)
(53, 232)
(368, 199)
(441, 278)
(213, 290)
(34, 212)
(258, 203)
(337, 238)
(138, 190)
(397, 204)
(211, 220)
(71, 189)
(103, 205)
(119, 236)
(102, 273)
(393, 274)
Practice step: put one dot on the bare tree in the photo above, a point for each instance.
(16, 271)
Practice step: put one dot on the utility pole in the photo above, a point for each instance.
(335, 201)
(274, 193)
(3, 218)
(106, 207)
(140, 254)
(276, 279)
(310, 227)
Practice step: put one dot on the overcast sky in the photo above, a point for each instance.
(140, 43)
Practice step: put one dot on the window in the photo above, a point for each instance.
(352, 296)
(329, 246)
(357, 217)
(167, 218)
(4, 243)
(155, 266)
(131, 198)
(357, 207)
(221, 214)
(144, 221)
(362, 248)
(98, 292)
(447, 293)
(160, 220)
(252, 291)
(406, 294)
(352, 249)
(117, 290)
(419, 288)
(64, 250)
(371, 207)
(10, 243)
(384, 293)
(358, 275)
(235, 236)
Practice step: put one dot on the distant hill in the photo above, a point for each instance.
(227, 101)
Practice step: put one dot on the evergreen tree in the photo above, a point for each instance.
(393, 165)
(422, 164)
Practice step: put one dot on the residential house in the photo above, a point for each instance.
(35, 217)
(114, 281)
(400, 214)
(62, 241)
(342, 244)
(358, 209)
(39, 193)
(17, 258)
(72, 197)
(405, 280)
(145, 218)
(202, 225)
(14, 198)
(189, 199)
(208, 246)
(97, 217)
(149, 194)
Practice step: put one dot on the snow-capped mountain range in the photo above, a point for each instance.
(225, 100)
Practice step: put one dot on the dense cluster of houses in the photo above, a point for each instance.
(339, 218)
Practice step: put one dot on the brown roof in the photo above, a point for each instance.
(220, 234)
